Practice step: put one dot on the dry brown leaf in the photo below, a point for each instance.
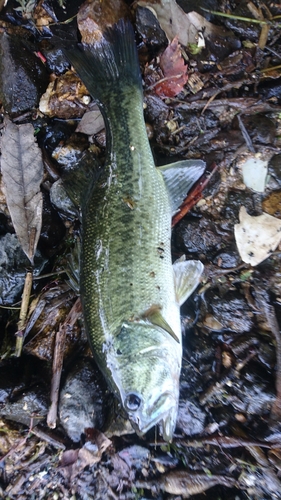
(22, 171)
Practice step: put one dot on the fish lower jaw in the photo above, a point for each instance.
(167, 424)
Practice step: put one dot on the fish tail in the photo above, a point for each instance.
(109, 65)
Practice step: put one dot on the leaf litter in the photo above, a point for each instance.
(229, 368)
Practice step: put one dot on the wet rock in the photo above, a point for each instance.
(260, 128)
(271, 90)
(274, 170)
(13, 265)
(135, 456)
(118, 423)
(254, 397)
(195, 126)
(149, 28)
(191, 418)
(156, 111)
(56, 62)
(232, 312)
(82, 401)
(54, 133)
(246, 30)
(197, 236)
(227, 260)
(233, 203)
(23, 76)
(30, 404)
(60, 199)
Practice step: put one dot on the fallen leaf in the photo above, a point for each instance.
(180, 482)
(254, 171)
(73, 462)
(272, 204)
(174, 71)
(256, 237)
(65, 97)
(175, 22)
(22, 171)
(91, 123)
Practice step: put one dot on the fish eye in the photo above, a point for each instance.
(132, 402)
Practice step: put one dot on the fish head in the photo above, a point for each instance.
(145, 365)
(160, 410)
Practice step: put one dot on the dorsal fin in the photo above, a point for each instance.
(179, 178)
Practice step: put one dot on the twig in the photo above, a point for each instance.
(272, 68)
(245, 134)
(162, 80)
(220, 441)
(194, 195)
(247, 106)
(226, 442)
(57, 369)
(58, 361)
(23, 312)
(274, 327)
(48, 439)
(261, 22)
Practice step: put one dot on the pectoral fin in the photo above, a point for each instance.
(179, 177)
(154, 316)
(187, 275)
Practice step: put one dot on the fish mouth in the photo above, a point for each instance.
(164, 414)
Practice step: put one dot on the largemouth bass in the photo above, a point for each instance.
(130, 291)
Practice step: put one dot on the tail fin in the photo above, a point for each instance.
(111, 62)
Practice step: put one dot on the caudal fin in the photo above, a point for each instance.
(109, 64)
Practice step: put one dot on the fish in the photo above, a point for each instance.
(130, 291)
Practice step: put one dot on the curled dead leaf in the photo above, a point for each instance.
(174, 70)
